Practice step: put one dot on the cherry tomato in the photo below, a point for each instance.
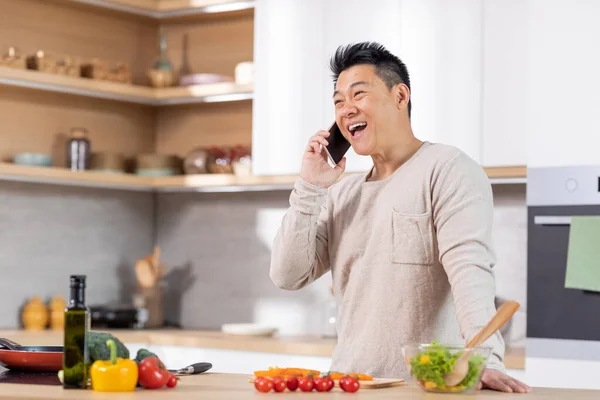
(349, 384)
(321, 384)
(292, 383)
(263, 384)
(172, 382)
(305, 384)
(279, 384)
(330, 383)
(152, 373)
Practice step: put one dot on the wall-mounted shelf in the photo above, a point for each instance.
(185, 183)
(216, 92)
(165, 9)
(63, 176)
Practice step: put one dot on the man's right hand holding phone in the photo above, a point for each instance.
(315, 168)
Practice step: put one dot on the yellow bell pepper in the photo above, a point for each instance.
(114, 375)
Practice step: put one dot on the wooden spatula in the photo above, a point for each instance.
(461, 366)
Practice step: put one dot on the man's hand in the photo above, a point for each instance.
(496, 380)
(315, 169)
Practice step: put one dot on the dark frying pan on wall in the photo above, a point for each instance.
(30, 358)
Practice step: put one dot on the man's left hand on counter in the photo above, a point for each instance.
(496, 380)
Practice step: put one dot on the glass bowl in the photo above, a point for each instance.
(429, 363)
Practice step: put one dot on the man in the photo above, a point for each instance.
(408, 244)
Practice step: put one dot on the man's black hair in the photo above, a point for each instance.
(388, 67)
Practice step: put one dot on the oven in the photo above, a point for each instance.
(563, 325)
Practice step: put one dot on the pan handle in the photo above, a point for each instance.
(9, 344)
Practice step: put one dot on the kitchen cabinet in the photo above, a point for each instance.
(504, 105)
(562, 89)
(122, 117)
(440, 43)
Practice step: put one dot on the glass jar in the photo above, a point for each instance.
(78, 150)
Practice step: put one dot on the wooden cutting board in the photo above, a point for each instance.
(376, 383)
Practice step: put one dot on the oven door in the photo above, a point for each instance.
(554, 312)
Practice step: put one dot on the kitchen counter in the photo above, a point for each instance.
(229, 386)
(300, 345)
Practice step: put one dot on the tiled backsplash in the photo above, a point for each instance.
(49, 232)
(225, 239)
(216, 245)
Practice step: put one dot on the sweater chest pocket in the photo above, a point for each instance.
(412, 239)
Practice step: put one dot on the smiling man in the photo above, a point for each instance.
(408, 243)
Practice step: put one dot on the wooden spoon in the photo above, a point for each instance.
(145, 274)
(461, 366)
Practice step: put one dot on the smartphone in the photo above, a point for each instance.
(337, 147)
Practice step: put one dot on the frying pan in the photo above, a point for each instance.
(30, 358)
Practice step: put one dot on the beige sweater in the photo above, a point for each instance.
(410, 256)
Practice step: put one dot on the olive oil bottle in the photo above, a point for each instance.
(77, 323)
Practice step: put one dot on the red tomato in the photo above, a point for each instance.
(152, 373)
(305, 384)
(279, 384)
(330, 383)
(349, 384)
(172, 382)
(292, 383)
(321, 385)
(263, 384)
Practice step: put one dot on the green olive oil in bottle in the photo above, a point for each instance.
(77, 322)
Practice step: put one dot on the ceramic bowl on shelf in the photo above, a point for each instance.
(156, 172)
(428, 364)
(33, 159)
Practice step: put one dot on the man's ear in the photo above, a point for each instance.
(402, 93)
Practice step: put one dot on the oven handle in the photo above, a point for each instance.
(551, 220)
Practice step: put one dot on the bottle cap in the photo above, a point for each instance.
(78, 281)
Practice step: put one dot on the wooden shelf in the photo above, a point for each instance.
(63, 176)
(185, 183)
(216, 92)
(165, 9)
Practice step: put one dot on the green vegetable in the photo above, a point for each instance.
(100, 351)
(433, 363)
(143, 353)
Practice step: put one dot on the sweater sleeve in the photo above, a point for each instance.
(462, 202)
(300, 252)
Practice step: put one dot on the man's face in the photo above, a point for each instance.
(363, 103)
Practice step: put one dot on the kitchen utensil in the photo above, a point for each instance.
(29, 377)
(156, 262)
(30, 358)
(461, 366)
(145, 274)
(379, 383)
(193, 369)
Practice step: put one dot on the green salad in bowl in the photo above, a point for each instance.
(429, 364)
